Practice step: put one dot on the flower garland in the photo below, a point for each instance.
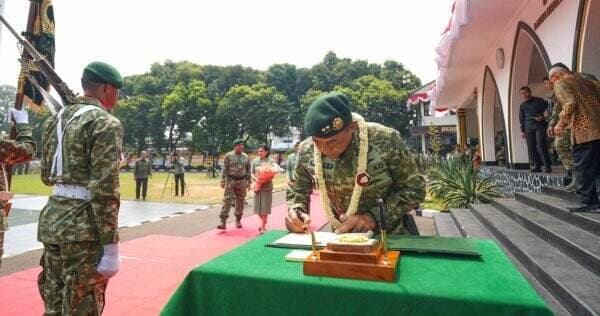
(363, 137)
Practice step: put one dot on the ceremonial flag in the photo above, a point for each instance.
(40, 33)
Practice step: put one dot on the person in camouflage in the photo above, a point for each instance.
(141, 172)
(292, 161)
(235, 179)
(391, 171)
(20, 150)
(78, 226)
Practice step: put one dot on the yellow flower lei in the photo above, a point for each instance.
(363, 136)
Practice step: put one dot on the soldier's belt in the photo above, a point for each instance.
(72, 191)
(237, 178)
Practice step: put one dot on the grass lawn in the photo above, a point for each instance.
(202, 189)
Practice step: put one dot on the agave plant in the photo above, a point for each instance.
(457, 184)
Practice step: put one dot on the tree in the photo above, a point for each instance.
(141, 117)
(207, 106)
(182, 109)
(7, 100)
(378, 101)
(307, 99)
(258, 111)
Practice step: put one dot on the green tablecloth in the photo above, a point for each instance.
(255, 280)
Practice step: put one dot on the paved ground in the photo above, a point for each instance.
(184, 225)
(26, 209)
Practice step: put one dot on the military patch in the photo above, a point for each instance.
(363, 179)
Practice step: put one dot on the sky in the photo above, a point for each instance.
(133, 34)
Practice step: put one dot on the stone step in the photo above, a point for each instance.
(579, 244)
(558, 208)
(577, 288)
(468, 225)
(561, 192)
(471, 227)
(445, 226)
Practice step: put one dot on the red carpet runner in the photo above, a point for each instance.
(152, 268)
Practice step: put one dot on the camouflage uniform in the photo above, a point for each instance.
(12, 152)
(562, 144)
(74, 230)
(236, 178)
(393, 171)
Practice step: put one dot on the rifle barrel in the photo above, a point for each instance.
(43, 65)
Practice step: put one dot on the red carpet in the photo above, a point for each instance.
(152, 268)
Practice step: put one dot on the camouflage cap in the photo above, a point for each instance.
(101, 72)
(328, 115)
(238, 141)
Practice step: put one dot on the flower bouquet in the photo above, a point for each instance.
(265, 173)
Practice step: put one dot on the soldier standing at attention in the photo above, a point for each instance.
(355, 164)
(20, 150)
(141, 172)
(78, 226)
(236, 179)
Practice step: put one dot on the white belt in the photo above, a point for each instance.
(72, 191)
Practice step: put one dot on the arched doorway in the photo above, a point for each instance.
(529, 65)
(493, 126)
(588, 42)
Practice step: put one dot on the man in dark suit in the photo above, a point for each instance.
(533, 129)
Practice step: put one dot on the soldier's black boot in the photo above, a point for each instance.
(567, 178)
(238, 222)
(223, 224)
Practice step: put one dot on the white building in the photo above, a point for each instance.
(285, 143)
(425, 117)
(492, 48)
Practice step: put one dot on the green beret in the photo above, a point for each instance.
(238, 141)
(100, 72)
(328, 115)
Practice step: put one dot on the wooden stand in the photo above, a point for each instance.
(354, 262)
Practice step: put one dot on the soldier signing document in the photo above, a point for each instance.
(355, 163)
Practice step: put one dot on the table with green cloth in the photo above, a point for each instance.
(255, 280)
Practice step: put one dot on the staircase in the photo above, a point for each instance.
(556, 250)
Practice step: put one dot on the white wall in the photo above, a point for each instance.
(557, 35)
(590, 56)
(486, 113)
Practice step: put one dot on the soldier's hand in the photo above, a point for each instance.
(110, 262)
(550, 132)
(297, 222)
(222, 185)
(20, 116)
(558, 130)
(358, 223)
